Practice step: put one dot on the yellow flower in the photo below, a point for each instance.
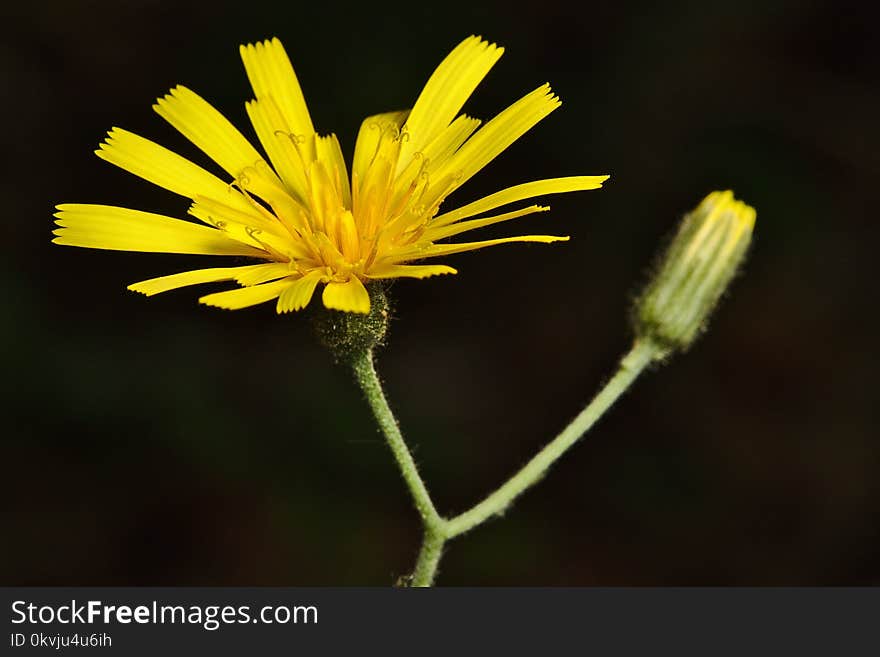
(301, 214)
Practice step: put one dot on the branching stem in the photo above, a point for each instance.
(438, 530)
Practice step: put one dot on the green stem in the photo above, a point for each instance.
(642, 353)
(429, 557)
(434, 525)
(438, 530)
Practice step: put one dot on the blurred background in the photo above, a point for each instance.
(163, 442)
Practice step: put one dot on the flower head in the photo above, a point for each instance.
(695, 271)
(301, 215)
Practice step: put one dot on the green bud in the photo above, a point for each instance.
(346, 334)
(694, 272)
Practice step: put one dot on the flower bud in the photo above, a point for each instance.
(694, 272)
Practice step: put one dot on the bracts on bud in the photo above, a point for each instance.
(694, 272)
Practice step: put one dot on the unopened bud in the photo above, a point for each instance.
(694, 272)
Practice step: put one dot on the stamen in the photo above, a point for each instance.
(413, 234)
(219, 224)
(252, 233)
(425, 182)
(376, 126)
(241, 184)
(447, 190)
(261, 163)
(420, 178)
(297, 141)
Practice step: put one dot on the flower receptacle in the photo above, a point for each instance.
(347, 334)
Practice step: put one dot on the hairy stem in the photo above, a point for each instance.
(631, 366)
(429, 557)
(438, 530)
(434, 525)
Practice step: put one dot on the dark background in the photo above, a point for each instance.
(162, 442)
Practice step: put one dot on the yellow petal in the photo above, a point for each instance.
(410, 271)
(208, 129)
(123, 229)
(329, 152)
(434, 250)
(167, 169)
(347, 236)
(349, 297)
(213, 211)
(281, 144)
(448, 141)
(371, 196)
(324, 201)
(368, 138)
(446, 91)
(196, 277)
(501, 132)
(264, 273)
(272, 239)
(298, 294)
(246, 296)
(271, 74)
(438, 233)
(519, 193)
